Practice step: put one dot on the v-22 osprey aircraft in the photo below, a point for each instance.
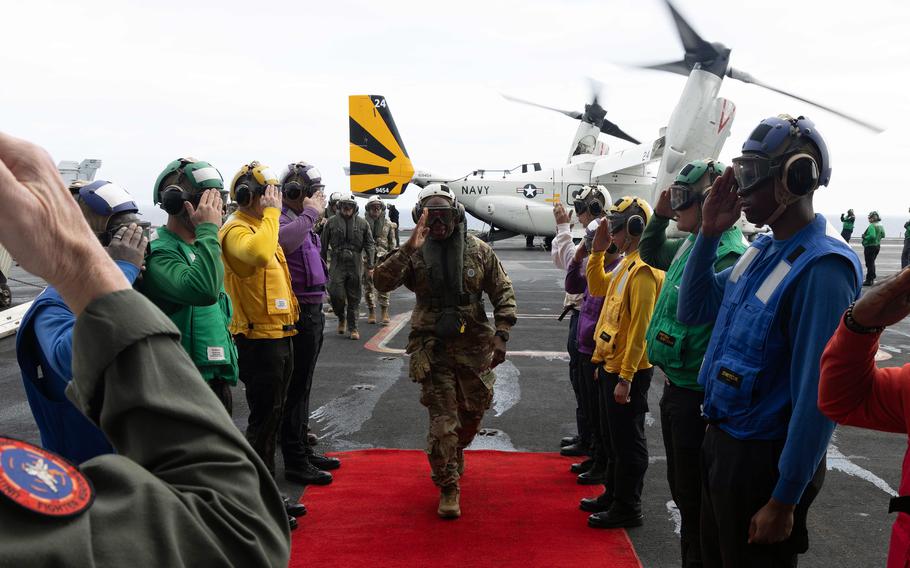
(520, 200)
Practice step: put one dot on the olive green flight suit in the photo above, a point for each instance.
(184, 489)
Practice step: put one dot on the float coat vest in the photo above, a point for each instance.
(265, 307)
(64, 429)
(677, 348)
(203, 329)
(747, 391)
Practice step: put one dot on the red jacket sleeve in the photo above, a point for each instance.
(853, 391)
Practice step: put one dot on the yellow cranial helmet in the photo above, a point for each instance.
(252, 179)
(632, 211)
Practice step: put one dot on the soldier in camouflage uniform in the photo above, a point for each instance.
(383, 232)
(346, 242)
(452, 345)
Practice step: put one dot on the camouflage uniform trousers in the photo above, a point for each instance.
(371, 295)
(456, 398)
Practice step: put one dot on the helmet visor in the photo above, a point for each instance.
(750, 171)
(444, 215)
(682, 196)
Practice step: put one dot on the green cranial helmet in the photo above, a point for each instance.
(693, 180)
(194, 177)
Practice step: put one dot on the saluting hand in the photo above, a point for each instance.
(209, 209)
(723, 206)
(562, 216)
(662, 207)
(886, 303)
(602, 237)
(419, 234)
(317, 202)
(129, 244)
(271, 197)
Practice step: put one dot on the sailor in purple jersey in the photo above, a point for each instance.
(303, 205)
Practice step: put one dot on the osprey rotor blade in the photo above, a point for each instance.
(611, 129)
(747, 78)
(678, 67)
(570, 113)
(696, 48)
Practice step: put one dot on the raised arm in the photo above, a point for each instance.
(254, 248)
(292, 232)
(168, 277)
(655, 248)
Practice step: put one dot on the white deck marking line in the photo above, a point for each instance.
(380, 341)
(839, 462)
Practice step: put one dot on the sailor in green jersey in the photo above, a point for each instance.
(184, 275)
(678, 349)
(184, 488)
(872, 241)
(849, 221)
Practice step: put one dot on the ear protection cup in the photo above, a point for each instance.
(242, 193)
(172, 198)
(635, 226)
(800, 174)
(416, 212)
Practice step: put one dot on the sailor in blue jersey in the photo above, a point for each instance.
(44, 343)
(763, 453)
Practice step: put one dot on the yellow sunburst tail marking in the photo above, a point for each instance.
(379, 161)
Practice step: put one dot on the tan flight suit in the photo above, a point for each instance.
(456, 385)
(384, 240)
(184, 489)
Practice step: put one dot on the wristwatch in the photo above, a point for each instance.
(502, 334)
(851, 324)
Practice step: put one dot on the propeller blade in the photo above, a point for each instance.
(610, 128)
(596, 88)
(747, 78)
(692, 42)
(570, 113)
(678, 67)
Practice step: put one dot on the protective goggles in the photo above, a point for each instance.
(594, 207)
(752, 170)
(683, 196)
(617, 223)
(293, 189)
(444, 215)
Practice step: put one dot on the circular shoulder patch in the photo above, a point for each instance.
(472, 273)
(41, 481)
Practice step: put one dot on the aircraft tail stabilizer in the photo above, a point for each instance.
(379, 162)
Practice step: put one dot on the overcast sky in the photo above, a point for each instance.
(138, 84)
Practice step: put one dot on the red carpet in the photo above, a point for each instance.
(518, 509)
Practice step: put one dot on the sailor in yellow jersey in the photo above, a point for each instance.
(256, 278)
(624, 373)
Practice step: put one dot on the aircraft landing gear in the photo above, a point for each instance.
(548, 243)
(529, 241)
(6, 295)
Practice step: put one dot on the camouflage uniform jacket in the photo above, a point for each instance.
(482, 273)
(383, 237)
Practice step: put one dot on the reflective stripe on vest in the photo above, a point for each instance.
(744, 261)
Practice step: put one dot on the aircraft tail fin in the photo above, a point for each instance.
(380, 164)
